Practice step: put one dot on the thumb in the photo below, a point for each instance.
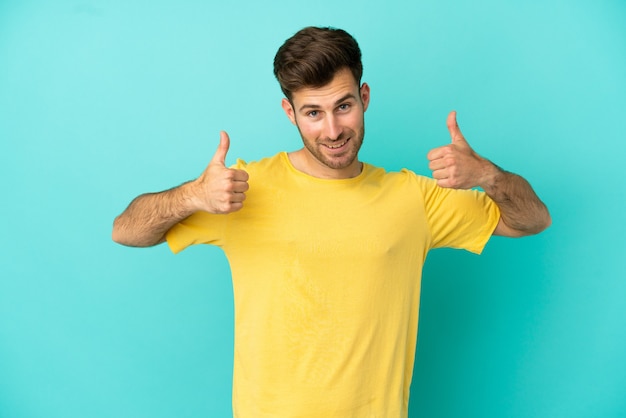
(453, 127)
(222, 149)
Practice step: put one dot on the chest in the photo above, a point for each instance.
(353, 223)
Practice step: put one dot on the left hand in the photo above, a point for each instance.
(456, 165)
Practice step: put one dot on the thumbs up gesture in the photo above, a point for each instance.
(220, 189)
(456, 165)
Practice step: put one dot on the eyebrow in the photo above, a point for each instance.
(337, 103)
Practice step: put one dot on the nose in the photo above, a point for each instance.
(332, 128)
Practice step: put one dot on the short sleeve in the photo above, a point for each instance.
(199, 228)
(462, 219)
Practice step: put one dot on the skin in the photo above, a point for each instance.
(217, 190)
(457, 166)
(331, 123)
(333, 116)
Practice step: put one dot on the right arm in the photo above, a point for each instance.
(218, 190)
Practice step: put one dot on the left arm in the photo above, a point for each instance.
(457, 166)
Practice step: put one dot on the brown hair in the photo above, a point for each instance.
(312, 57)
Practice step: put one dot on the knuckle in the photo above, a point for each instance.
(449, 149)
(225, 207)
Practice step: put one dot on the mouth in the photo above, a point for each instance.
(337, 145)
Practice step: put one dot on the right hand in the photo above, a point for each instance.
(220, 189)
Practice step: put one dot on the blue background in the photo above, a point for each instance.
(102, 101)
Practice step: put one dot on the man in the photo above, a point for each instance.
(326, 251)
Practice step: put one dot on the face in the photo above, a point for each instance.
(330, 121)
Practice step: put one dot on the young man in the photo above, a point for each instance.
(326, 251)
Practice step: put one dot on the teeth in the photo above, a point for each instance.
(336, 146)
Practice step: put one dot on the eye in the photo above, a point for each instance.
(344, 107)
(313, 114)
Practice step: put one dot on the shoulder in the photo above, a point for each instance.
(403, 176)
(272, 163)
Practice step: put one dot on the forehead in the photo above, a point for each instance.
(342, 85)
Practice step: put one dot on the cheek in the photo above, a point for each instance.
(356, 122)
(309, 130)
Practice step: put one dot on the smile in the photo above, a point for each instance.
(336, 146)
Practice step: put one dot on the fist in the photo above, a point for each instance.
(221, 189)
(456, 165)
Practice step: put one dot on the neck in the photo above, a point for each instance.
(317, 169)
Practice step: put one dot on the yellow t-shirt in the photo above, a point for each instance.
(326, 277)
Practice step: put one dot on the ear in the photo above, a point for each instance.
(365, 95)
(288, 108)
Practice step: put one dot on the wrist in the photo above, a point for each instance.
(189, 195)
(492, 175)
